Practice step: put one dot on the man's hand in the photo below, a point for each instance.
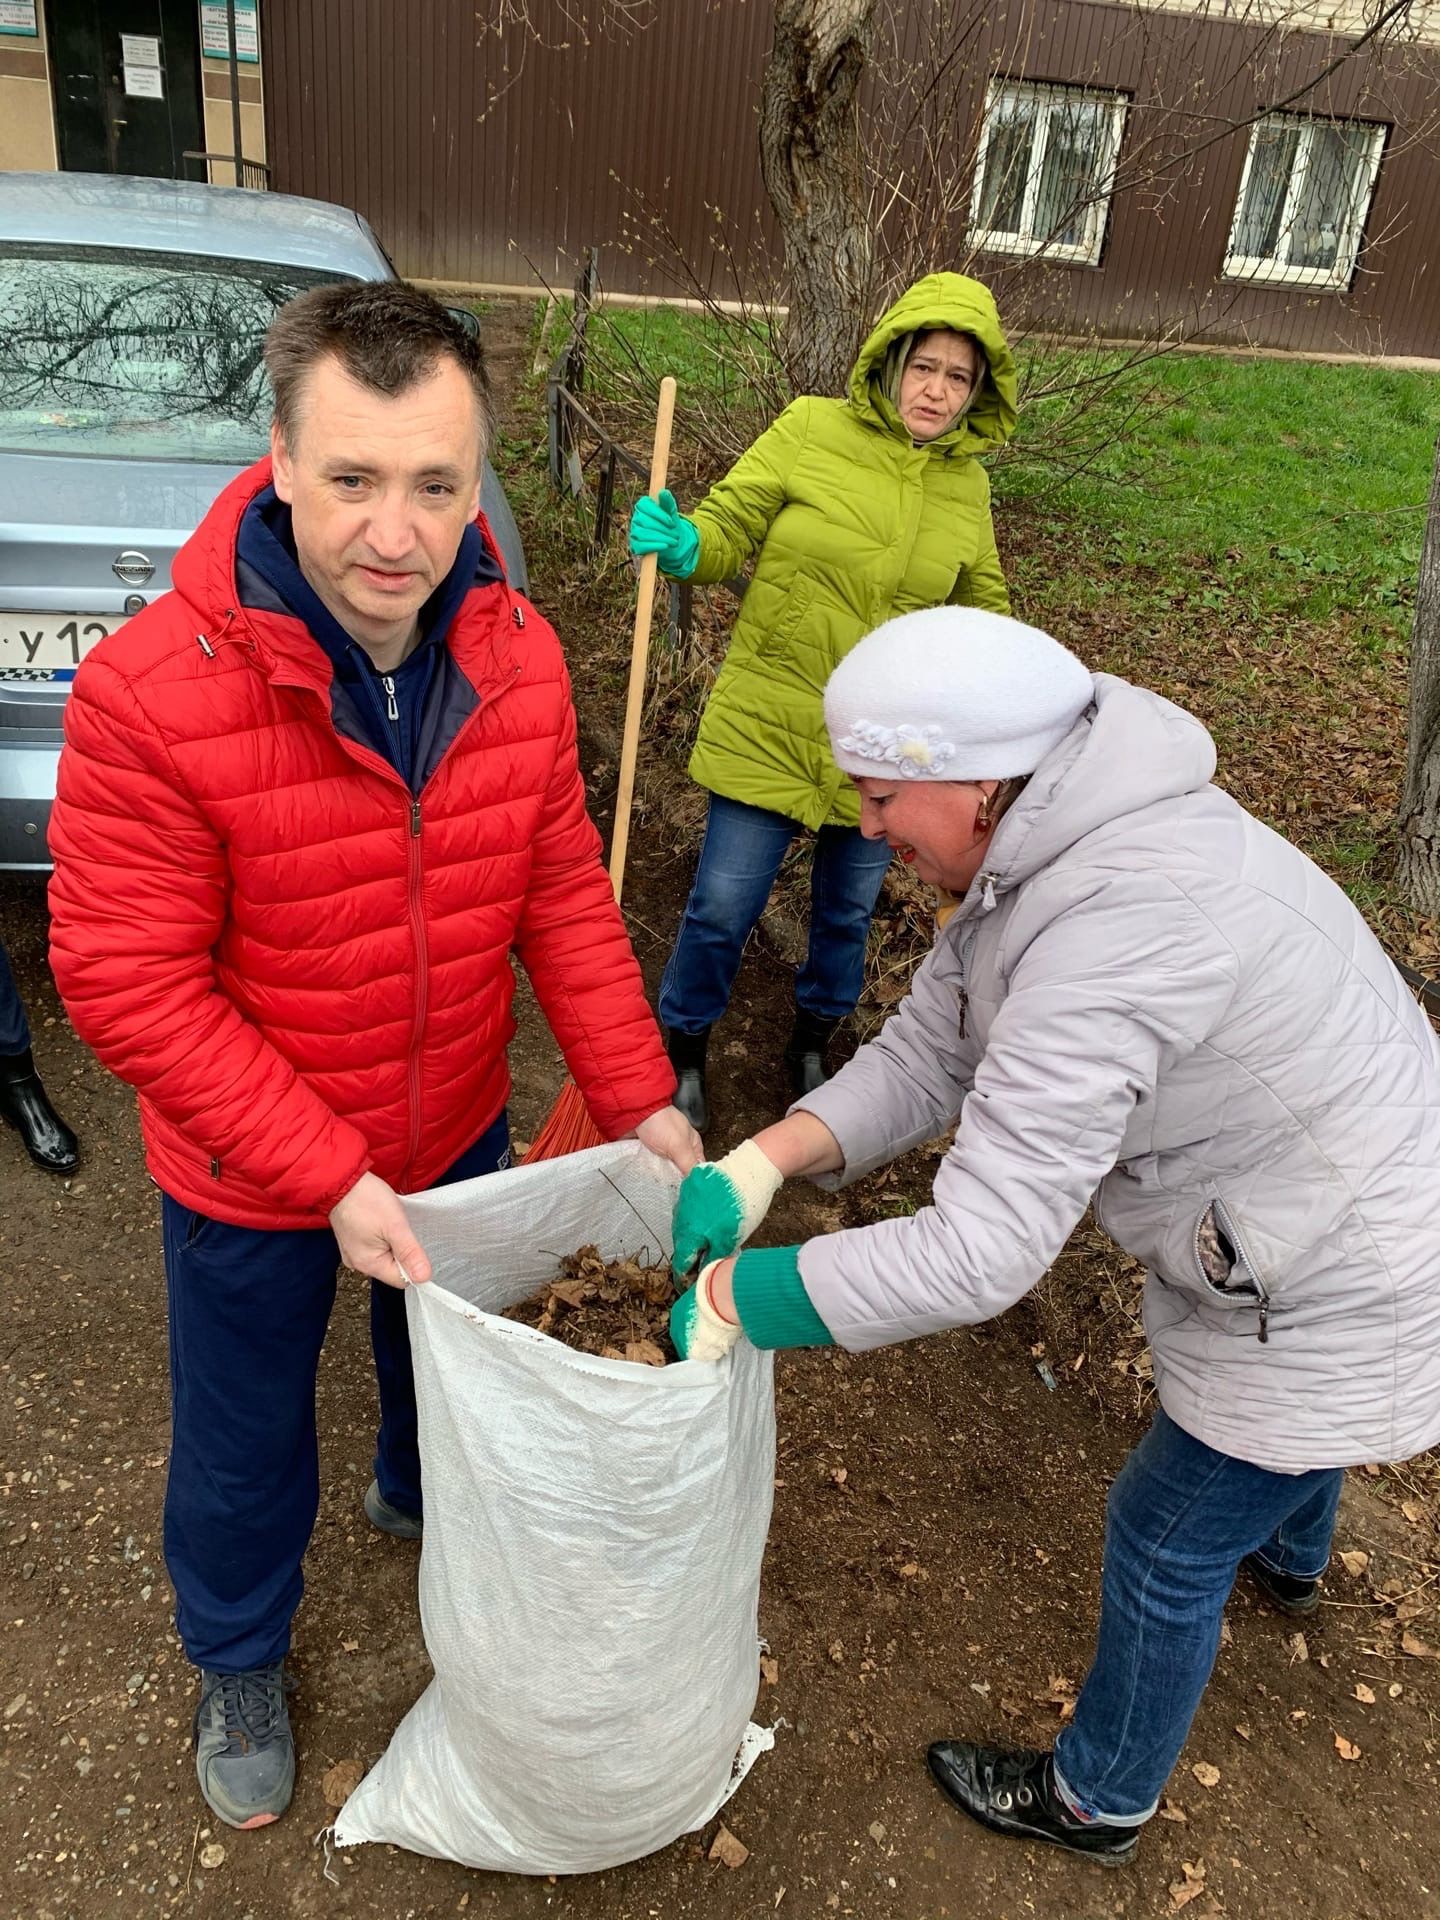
(703, 1322)
(671, 1135)
(720, 1205)
(374, 1235)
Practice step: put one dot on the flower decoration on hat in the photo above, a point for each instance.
(912, 751)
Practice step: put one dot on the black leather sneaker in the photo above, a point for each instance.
(805, 1054)
(1282, 1590)
(1012, 1790)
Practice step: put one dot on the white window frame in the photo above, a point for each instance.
(1085, 253)
(1267, 271)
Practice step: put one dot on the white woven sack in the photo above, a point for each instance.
(590, 1575)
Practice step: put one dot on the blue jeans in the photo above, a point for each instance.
(1180, 1519)
(248, 1314)
(739, 860)
(14, 1027)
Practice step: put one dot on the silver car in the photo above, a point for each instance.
(131, 393)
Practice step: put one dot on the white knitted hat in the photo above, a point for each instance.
(951, 693)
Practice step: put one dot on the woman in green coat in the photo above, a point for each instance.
(851, 511)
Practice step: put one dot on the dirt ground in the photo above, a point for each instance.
(933, 1570)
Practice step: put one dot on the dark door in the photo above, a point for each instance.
(114, 115)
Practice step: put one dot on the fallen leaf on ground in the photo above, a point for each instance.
(1189, 1887)
(1355, 1563)
(1169, 1810)
(769, 1670)
(839, 1475)
(341, 1781)
(1299, 1647)
(1413, 1511)
(728, 1850)
(1346, 1749)
(1242, 1730)
(1417, 1648)
(1364, 1693)
(1207, 1775)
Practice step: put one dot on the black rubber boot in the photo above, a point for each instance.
(1282, 1590)
(25, 1105)
(687, 1056)
(805, 1053)
(1013, 1790)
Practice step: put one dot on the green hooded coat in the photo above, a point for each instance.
(851, 522)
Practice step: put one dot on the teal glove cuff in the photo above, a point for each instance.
(770, 1298)
(659, 527)
(683, 554)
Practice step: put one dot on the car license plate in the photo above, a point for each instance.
(31, 642)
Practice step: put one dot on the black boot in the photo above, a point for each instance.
(687, 1056)
(1013, 1790)
(805, 1053)
(23, 1102)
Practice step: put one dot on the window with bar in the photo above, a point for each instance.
(1304, 195)
(1043, 174)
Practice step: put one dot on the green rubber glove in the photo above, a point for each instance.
(697, 1331)
(720, 1204)
(659, 527)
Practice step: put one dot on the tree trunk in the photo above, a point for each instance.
(811, 161)
(1419, 864)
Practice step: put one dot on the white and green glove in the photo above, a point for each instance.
(697, 1330)
(720, 1204)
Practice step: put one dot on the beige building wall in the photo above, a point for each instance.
(219, 128)
(1346, 18)
(27, 113)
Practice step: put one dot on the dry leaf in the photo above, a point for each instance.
(1242, 1730)
(1412, 1607)
(1169, 1810)
(727, 1849)
(1189, 1887)
(1299, 1647)
(349, 1646)
(644, 1352)
(1413, 1511)
(1364, 1693)
(1346, 1749)
(341, 1781)
(1355, 1563)
(1412, 1644)
(769, 1670)
(1372, 1469)
(1207, 1775)
(839, 1475)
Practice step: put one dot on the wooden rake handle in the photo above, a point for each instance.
(640, 647)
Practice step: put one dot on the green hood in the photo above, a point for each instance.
(964, 306)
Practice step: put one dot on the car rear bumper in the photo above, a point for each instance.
(27, 789)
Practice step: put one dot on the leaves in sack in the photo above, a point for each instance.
(617, 1309)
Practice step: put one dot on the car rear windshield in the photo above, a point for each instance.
(107, 350)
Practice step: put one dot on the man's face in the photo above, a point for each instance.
(380, 491)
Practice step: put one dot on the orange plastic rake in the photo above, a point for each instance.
(569, 1128)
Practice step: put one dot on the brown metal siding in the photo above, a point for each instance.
(478, 158)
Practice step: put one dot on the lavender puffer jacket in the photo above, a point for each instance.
(1150, 999)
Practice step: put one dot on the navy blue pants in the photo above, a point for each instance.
(248, 1314)
(14, 1027)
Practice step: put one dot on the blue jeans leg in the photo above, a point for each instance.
(1180, 1519)
(739, 860)
(14, 1027)
(845, 881)
(397, 1445)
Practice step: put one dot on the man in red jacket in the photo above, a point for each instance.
(310, 803)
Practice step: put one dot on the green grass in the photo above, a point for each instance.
(1253, 488)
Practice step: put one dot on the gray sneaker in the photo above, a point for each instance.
(380, 1513)
(244, 1751)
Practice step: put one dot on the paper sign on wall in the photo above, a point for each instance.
(214, 33)
(144, 83)
(18, 16)
(139, 50)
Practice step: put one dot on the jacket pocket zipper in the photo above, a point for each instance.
(1243, 1264)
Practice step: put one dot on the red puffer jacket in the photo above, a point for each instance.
(304, 973)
